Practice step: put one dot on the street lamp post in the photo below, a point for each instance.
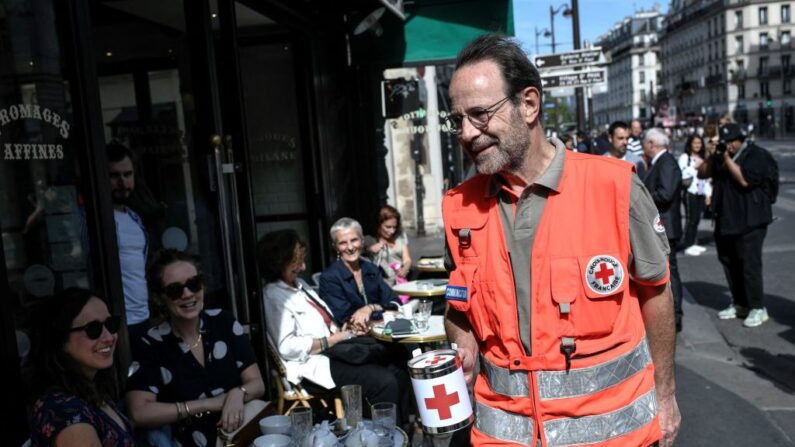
(575, 27)
(546, 33)
(552, 11)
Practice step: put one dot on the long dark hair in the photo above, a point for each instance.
(52, 366)
(689, 146)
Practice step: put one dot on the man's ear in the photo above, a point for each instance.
(531, 103)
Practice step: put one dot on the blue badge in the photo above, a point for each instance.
(456, 293)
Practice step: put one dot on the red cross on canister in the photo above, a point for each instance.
(441, 391)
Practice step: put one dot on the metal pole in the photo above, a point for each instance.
(552, 27)
(536, 28)
(575, 26)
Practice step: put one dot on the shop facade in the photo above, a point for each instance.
(244, 117)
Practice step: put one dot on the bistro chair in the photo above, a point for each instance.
(292, 395)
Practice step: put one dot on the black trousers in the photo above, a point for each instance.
(741, 257)
(694, 205)
(676, 283)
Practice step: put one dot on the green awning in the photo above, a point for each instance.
(434, 31)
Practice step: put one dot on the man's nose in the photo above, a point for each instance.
(468, 130)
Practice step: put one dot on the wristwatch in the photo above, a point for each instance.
(245, 392)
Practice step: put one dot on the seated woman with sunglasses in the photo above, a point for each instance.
(197, 368)
(73, 340)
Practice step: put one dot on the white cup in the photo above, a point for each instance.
(275, 425)
(274, 440)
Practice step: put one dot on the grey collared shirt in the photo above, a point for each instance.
(649, 248)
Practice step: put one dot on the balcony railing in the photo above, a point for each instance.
(713, 79)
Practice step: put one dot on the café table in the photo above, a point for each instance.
(431, 264)
(422, 288)
(434, 335)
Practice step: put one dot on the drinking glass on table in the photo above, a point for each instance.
(301, 418)
(422, 315)
(384, 421)
(352, 404)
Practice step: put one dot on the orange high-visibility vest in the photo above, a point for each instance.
(583, 304)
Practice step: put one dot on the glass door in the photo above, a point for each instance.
(156, 94)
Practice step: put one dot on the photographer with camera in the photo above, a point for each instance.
(745, 179)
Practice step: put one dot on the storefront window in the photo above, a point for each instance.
(42, 195)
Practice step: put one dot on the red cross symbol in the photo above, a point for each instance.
(604, 273)
(435, 360)
(441, 401)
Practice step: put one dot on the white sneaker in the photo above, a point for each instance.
(693, 251)
(699, 248)
(756, 317)
(732, 312)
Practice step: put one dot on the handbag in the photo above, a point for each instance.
(357, 351)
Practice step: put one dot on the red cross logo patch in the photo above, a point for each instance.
(604, 274)
(658, 224)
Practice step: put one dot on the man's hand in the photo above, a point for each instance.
(670, 418)
(460, 332)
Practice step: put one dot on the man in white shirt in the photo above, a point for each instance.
(132, 243)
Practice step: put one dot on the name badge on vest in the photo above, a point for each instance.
(456, 293)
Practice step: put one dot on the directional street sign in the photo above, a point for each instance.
(578, 79)
(572, 59)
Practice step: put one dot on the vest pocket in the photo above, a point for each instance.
(587, 291)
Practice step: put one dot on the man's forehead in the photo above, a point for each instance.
(476, 82)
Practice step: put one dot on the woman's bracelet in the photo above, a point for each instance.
(323, 343)
(180, 415)
(187, 409)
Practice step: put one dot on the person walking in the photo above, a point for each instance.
(745, 181)
(618, 136)
(547, 305)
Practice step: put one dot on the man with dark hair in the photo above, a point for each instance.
(664, 182)
(573, 325)
(744, 180)
(618, 136)
(132, 243)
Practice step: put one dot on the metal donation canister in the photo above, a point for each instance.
(441, 391)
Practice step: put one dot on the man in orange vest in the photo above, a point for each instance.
(558, 274)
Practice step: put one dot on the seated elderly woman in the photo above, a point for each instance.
(301, 327)
(354, 288)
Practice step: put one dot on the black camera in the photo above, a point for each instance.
(720, 148)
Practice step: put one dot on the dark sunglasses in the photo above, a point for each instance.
(93, 329)
(174, 290)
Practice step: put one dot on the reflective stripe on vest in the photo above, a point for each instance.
(602, 427)
(512, 427)
(576, 382)
(504, 425)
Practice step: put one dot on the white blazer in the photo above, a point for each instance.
(293, 324)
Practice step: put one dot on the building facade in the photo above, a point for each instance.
(729, 56)
(632, 51)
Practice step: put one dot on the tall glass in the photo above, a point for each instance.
(301, 418)
(352, 404)
(384, 421)
(422, 315)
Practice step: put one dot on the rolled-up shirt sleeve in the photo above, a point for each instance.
(649, 244)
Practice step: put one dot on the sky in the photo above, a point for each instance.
(596, 18)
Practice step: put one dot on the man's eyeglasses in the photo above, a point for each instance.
(175, 289)
(478, 116)
(93, 329)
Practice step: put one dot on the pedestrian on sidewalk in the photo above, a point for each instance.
(698, 191)
(743, 177)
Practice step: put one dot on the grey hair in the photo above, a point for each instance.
(658, 137)
(344, 224)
